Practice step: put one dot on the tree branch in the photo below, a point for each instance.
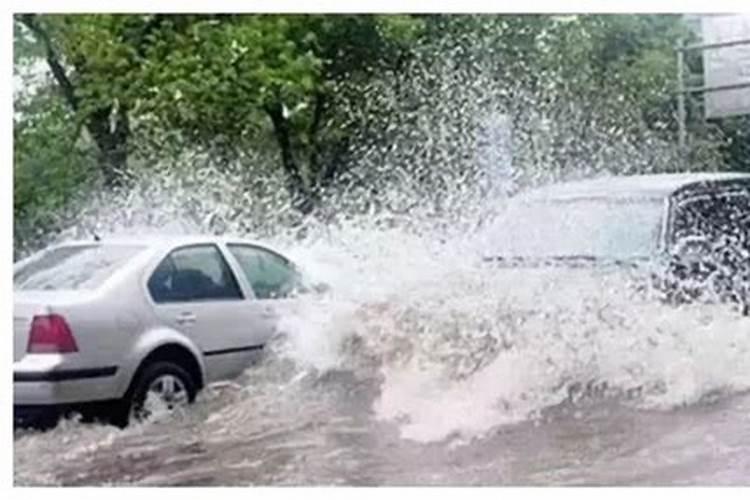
(53, 60)
(317, 113)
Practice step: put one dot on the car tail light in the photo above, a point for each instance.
(51, 334)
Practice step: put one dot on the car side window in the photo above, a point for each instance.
(270, 275)
(197, 272)
(726, 215)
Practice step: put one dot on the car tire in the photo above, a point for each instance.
(146, 380)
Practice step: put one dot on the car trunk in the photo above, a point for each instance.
(26, 305)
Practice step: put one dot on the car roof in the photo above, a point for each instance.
(630, 186)
(164, 241)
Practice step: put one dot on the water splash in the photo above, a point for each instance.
(462, 347)
(456, 346)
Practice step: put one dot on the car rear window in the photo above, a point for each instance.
(73, 267)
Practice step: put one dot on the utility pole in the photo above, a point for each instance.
(681, 97)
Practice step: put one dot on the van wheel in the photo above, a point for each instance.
(159, 386)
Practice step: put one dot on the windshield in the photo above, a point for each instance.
(72, 267)
(594, 227)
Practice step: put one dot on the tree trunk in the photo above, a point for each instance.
(323, 167)
(301, 197)
(110, 129)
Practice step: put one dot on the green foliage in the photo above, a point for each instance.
(296, 85)
(218, 78)
(736, 147)
(230, 81)
(211, 75)
(622, 62)
(51, 166)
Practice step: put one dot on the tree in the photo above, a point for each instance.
(81, 56)
(51, 166)
(319, 92)
(213, 78)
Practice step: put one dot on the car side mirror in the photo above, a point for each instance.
(321, 287)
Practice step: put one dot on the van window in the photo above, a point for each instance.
(724, 216)
(607, 227)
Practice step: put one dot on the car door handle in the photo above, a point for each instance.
(268, 313)
(185, 318)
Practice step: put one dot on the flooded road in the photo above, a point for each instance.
(424, 366)
(422, 390)
(321, 432)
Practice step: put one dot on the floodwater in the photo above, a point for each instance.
(424, 369)
(330, 437)
(425, 365)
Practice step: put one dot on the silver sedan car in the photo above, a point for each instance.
(111, 324)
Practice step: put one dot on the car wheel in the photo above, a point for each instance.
(160, 386)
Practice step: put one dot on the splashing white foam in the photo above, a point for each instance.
(461, 346)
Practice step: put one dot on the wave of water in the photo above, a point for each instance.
(418, 334)
(463, 346)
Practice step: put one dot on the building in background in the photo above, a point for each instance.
(726, 67)
(724, 47)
